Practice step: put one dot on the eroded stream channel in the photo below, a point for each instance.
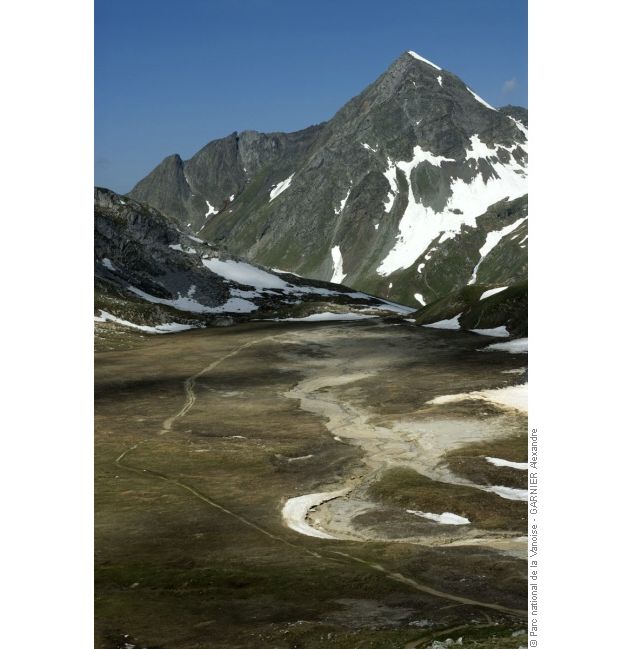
(310, 485)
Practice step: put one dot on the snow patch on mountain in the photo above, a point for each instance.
(478, 149)
(186, 303)
(211, 210)
(440, 80)
(164, 328)
(421, 225)
(450, 323)
(343, 201)
(414, 55)
(491, 241)
(338, 265)
(521, 127)
(182, 303)
(179, 248)
(420, 299)
(391, 176)
(280, 187)
(368, 147)
(108, 264)
(491, 291)
(481, 100)
(243, 273)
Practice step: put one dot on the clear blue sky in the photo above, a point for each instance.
(171, 75)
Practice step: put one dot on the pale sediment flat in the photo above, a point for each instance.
(414, 440)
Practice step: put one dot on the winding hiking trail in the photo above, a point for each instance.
(189, 385)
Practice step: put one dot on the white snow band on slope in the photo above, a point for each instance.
(243, 273)
(186, 303)
(491, 291)
(521, 127)
(481, 100)
(211, 210)
(280, 187)
(491, 241)
(414, 55)
(391, 177)
(343, 202)
(108, 264)
(421, 225)
(165, 328)
(338, 265)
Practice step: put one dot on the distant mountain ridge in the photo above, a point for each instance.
(410, 191)
(152, 276)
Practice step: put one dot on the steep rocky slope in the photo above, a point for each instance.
(392, 195)
(152, 276)
(498, 311)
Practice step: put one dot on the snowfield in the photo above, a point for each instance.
(243, 273)
(421, 225)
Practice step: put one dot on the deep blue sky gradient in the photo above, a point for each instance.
(171, 75)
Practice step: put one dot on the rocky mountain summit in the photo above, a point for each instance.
(152, 276)
(416, 188)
